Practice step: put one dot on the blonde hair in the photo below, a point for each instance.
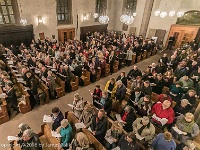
(167, 136)
(82, 140)
(117, 126)
(64, 123)
(77, 96)
(189, 115)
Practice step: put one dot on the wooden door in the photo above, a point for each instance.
(160, 34)
(66, 34)
(41, 35)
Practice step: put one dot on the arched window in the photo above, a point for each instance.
(9, 13)
(64, 11)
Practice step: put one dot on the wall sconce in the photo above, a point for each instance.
(40, 21)
(85, 17)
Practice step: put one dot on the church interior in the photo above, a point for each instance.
(99, 75)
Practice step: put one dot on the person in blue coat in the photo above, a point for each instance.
(65, 131)
(163, 141)
(57, 116)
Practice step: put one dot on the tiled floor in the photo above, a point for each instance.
(34, 117)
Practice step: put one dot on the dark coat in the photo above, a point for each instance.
(124, 80)
(129, 121)
(100, 127)
(120, 93)
(134, 73)
(57, 121)
(125, 145)
(12, 98)
(33, 144)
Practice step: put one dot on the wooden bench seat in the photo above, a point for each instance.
(74, 84)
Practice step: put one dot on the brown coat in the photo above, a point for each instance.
(86, 118)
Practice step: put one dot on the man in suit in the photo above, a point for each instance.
(170, 42)
(99, 125)
(122, 78)
(11, 99)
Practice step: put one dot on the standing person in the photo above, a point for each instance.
(51, 84)
(163, 141)
(111, 61)
(129, 58)
(99, 126)
(170, 42)
(78, 105)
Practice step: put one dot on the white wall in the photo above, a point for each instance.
(47, 9)
(165, 24)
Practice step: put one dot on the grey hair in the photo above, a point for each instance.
(28, 133)
(23, 127)
(128, 109)
(119, 82)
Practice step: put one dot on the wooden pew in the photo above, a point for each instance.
(139, 58)
(74, 84)
(133, 59)
(115, 67)
(98, 74)
(47, 139)
(144, 55)
(107, 70)
(3, 112)
(149, 54)
(165, 89)
(72, 120)
(86, 77)
(154, 97)
(61, 89)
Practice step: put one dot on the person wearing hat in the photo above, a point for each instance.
(65, 131)
(183, 108)
(144, 128)
(11, 99)
(176, 91)
(187, 125)
(86, 116)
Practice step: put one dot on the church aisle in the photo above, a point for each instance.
(34, 117)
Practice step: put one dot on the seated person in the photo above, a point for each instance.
(163, 141)
(97, 93)
(22, 127)
(128, 142)
(190, 96)
(115, 132)
(86, 116)
(122, 78)
(164, 96)
(31, 140)
(133, 73)
(187, 125)
(183, 108)
(162, 110)
(135, 96)
(158, 84)
(144, 128)
(128, 116)
(106, 102)
(57, 117)
(143, 106)
(146, 88)
(137, 83)
(99, 126)
(187, 83)
(111, 88)
(78, 105)
(121, 91)
(188, 145)
(80, 141)
(176, 91)
(65, 131)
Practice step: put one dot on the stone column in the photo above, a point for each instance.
(146, 17)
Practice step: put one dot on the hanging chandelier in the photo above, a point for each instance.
(180, 14)
(134, 14)
(157, 13)
(172, 13)
(127, 19)
(23, 22)
(95, 15)
(163, 14)
(104, 19)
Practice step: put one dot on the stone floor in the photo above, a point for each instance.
(34, 117)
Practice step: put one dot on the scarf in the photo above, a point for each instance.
(142, 128)
(188, 126)
(124, 116)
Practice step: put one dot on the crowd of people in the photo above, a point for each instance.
(140, 117)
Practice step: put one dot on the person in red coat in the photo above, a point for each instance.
(163, 110)
(96, 95)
